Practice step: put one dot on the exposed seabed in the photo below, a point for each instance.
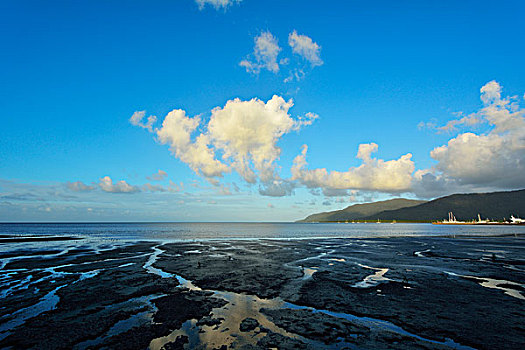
(397, 293)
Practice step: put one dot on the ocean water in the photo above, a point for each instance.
(213, 231)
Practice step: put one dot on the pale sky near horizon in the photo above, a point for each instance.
(252, 110)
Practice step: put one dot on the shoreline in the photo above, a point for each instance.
(17, 239)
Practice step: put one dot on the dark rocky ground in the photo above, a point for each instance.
(397, 293)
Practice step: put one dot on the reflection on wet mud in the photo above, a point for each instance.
(223, 323)
(222, 326)
(309, 271)
(372, 280)
(510, 288)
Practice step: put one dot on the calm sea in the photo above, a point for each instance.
(207, 231)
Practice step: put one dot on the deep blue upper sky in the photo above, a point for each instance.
(74, 72)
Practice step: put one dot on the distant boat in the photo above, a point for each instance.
(378, 221)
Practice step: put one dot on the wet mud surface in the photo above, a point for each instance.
(395, 293)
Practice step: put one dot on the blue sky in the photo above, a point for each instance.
(391, 76)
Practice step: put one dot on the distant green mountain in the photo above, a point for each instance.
(360, 211)
(495, 205)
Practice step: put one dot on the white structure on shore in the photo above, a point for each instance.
(486, 221)
(451, 219)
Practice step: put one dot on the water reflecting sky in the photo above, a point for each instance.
(205, 231)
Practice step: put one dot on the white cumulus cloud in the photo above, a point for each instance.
(244, 134)
(176, 131)
(493, 159)
(373, 174)
(247, 132)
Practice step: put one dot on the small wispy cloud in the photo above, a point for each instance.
(266, 52)
(264, 56)
(305, 47)
(106, 184)
(217, 4)
(158, 176)
(138, 117)
(79, 186)
(277, 188)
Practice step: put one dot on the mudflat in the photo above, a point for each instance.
(381, 293)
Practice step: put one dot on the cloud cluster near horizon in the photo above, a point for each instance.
(242, 137)
(57, 201)
(493, 159)
(372, 175)
(158, 176)
(106, 184)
